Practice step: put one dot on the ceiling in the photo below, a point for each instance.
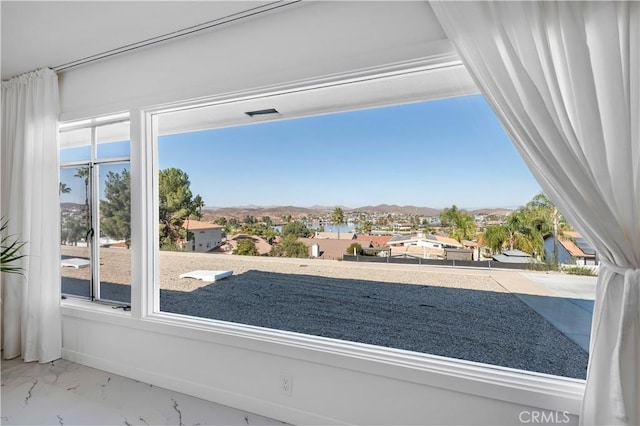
(38, 34)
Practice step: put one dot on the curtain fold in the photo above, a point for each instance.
(31, 317)
(564, 79)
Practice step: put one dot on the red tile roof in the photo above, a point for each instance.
(377, 240)
(333, 248)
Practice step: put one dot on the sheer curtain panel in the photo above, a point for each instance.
(31, 321)
(564, 79)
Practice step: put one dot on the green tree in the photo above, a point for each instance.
(177, 204)
(290, 246)
(461, 225)
(84, 173)
(354, 249)
(72, 232)
(115, 209)
(551, 219)
(427, 228)
(367, 227)
(296, 228)
(196, 205)
(337, 218)
(530, 236)
(494, 238)
(63, 188)
(524, 230)
(522, 234)
(269, 234)
(246, 247)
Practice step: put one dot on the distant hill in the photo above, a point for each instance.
(278, 212)
(393, 208)
(68, 206)
(497, 212)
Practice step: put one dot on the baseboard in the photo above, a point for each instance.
(209, 393)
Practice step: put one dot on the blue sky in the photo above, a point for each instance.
(429, 154)
(432, 154)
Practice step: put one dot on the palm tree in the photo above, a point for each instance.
(549, 218)
(196, 207)
(524, 230)
(83, 173)
(64, 189)
(494, 238)
(461, 224)
(522, 234)
(337, 217)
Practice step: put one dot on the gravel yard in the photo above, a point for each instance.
(460, 313)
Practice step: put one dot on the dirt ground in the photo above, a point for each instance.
(115, 267)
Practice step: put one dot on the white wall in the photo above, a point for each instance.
(333, 382)
(204, 239)
(299, 42)
(337, 384)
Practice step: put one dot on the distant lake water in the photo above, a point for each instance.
(345, 227)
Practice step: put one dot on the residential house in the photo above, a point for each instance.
(332, 248)
(428, 246)
(261, 244)
(572, 249)
(202, 236)
(376, 240)
(336, 235)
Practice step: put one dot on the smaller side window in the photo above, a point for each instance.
(95, 213)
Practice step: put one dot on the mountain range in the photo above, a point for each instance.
(277, 212)
(294, 211)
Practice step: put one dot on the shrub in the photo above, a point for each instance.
(541, 266)
(296, 228)
(579, 270)
(246, 247)
(171, 247)
(290, 246)
(354, 247)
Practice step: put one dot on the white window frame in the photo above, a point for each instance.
(94, 190)
(495, 382)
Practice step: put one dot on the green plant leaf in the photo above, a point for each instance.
(10, 251)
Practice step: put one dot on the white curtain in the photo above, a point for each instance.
(563, 77)
(31, 320)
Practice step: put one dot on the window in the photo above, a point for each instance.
(95, 210)
(259, 201)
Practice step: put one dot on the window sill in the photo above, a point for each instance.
(88, 306)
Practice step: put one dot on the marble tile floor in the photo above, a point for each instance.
(66, 393)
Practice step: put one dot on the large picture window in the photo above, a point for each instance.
(352, 223)
(95, 200)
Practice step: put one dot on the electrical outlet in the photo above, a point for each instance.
(286, 384)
